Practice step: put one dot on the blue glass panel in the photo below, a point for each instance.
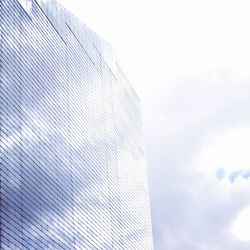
(73, 172)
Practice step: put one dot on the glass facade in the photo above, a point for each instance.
(73, 172)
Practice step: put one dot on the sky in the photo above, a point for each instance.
(189, 63)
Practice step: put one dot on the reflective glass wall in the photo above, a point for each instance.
(73, 172)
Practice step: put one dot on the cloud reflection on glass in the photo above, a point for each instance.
(72, 162)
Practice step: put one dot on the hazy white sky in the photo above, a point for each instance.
(189, 61)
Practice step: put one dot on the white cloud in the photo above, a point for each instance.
(199, 122)
(241, 226)
(229, 150)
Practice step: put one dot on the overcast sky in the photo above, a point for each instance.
(190, 63)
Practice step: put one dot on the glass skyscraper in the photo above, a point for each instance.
(73, 172)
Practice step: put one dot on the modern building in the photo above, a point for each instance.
(73, 172)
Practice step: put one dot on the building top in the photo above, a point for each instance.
(60, 18)
(97, 49)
